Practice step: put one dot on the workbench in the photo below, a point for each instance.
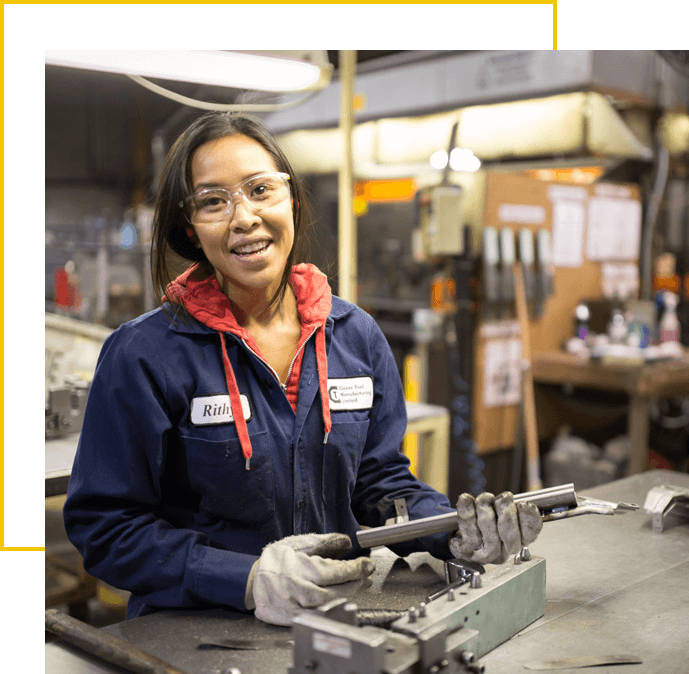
(613, 586)
(642, 383)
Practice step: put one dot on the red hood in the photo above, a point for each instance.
(206, 302)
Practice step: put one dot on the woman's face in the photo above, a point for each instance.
(247, 249)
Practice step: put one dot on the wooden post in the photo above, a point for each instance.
(533, 472)
(347, 239)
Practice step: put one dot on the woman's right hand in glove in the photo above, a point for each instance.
(301, 572)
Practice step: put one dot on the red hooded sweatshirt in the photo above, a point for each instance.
(206, 302)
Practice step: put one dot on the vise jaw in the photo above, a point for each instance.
(446, 635)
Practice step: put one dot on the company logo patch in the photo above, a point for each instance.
(350, 393)
(209, 410)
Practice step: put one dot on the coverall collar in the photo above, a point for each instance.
(204, 300)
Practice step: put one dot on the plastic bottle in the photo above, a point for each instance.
(669, 324)
(617, 328)
(581, 321)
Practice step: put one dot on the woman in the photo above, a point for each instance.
(236, 438)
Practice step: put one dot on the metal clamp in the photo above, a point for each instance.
(590, 506)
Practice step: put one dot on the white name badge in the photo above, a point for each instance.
(209, 410)
(350, 393)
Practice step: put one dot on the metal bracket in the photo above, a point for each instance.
(668, 505)
(401, 512)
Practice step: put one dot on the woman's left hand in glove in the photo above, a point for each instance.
(491, 528)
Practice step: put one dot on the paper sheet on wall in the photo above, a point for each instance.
(502, 372)
(620, 279)
(569, 218)
(614, 229)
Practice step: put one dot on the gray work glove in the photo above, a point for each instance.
(301, 572)
(491, 528)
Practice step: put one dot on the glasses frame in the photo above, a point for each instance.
(234, 191)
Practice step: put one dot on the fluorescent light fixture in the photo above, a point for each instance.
(239, 70)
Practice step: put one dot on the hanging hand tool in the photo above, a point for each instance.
(491, 278)
(527, 257)
(508, 257)
(555, 503)
(545, 271)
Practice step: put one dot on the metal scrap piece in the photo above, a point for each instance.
(584, 661)
(248, 644)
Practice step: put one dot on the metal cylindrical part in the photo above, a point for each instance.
(562, 496)
(466, 658)
(105, 646)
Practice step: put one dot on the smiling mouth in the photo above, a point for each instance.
(251, 248)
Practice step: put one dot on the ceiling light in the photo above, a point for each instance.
(240, 70)
(439, 159)
(461, 159)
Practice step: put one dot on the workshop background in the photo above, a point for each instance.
(523, 229)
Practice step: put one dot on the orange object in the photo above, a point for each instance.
(443, 295)
(577, 174)
(385, 190)
(670, 283)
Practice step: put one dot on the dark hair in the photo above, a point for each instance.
(175, 183)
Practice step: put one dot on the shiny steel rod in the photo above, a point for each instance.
(562, 496)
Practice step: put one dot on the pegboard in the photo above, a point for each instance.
(516, 201)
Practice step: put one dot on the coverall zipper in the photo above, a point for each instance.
(289, 371)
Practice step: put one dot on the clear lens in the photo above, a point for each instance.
(259, 192)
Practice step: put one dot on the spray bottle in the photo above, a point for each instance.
(669, 324)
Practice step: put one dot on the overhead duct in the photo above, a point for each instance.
(580, 124)
(457, 81)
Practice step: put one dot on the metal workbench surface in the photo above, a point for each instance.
(614, 586)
